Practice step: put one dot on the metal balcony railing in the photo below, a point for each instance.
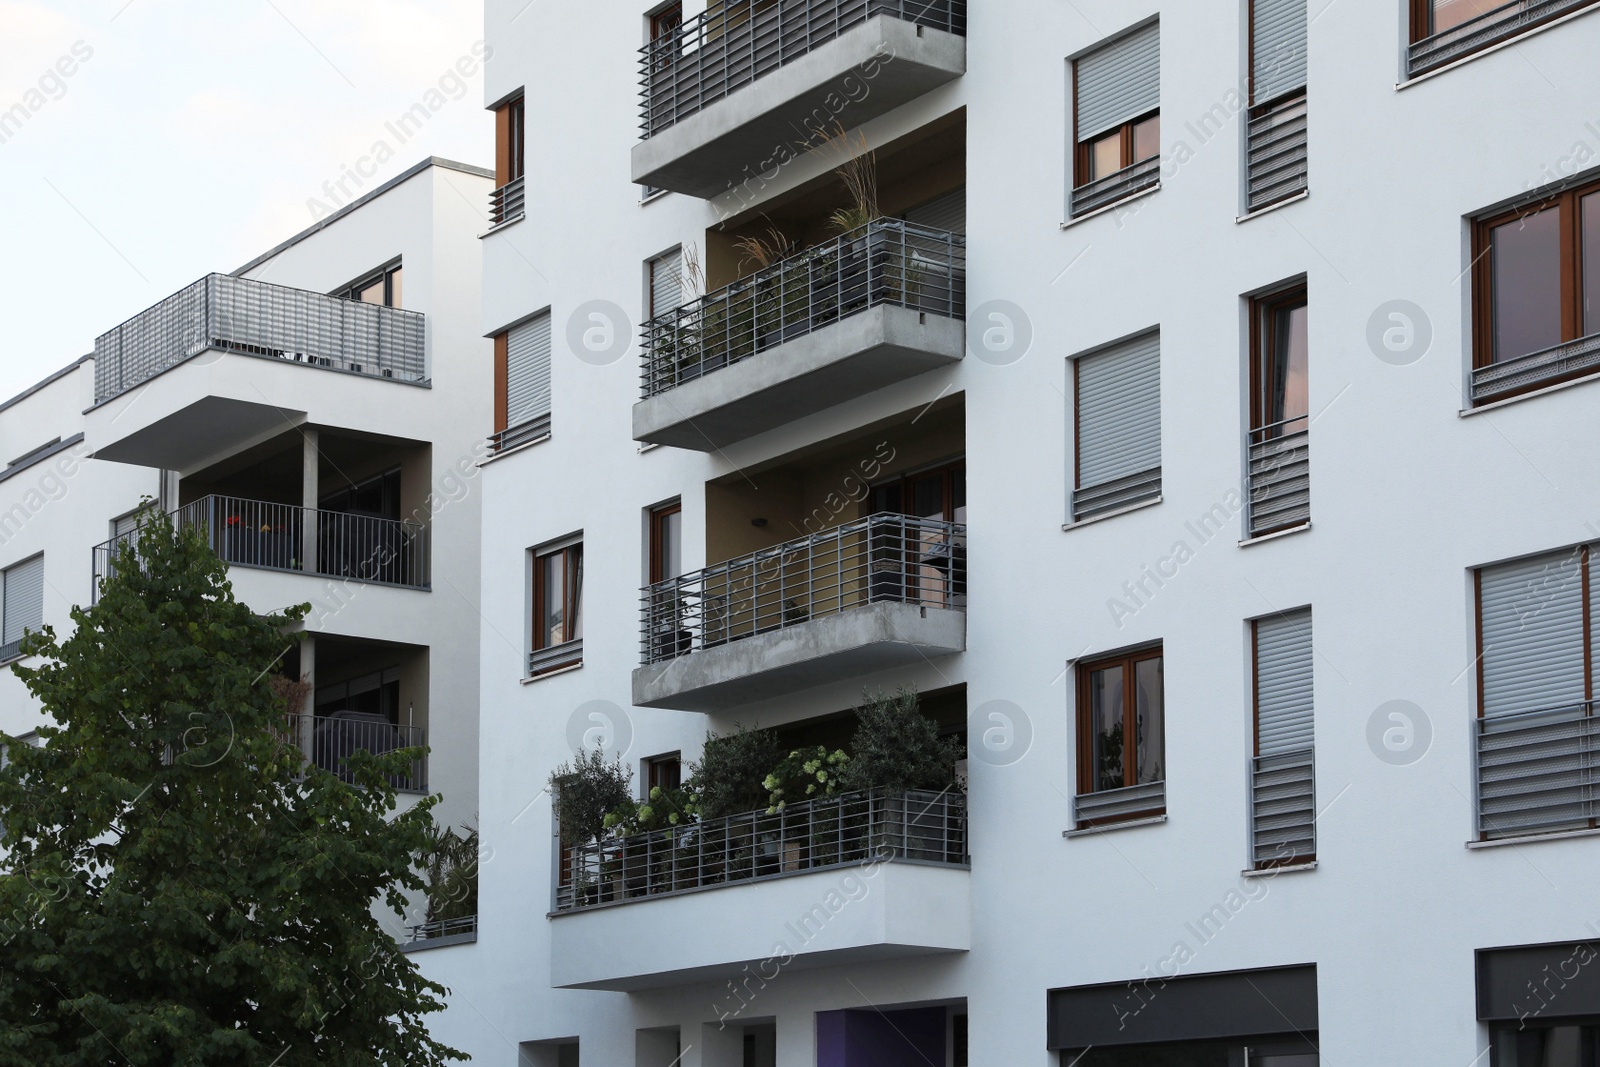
(282, 537)
(1102, 192)
(224, 313)
(1119, 805)
(1283, 808)
(880, 559)
(329, 740)
(432, 931)
(1485, 30)
(1524, 373)
(1539, 771)
(734, 42)
(922, 826)
(1116, 494)
(535, 429)
(1275, 158)
(11, 650)
(507, 202)
(1279, 476)
(886, 262)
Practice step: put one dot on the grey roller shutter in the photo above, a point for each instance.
(528, 372)
(1278, 59)
(24, 599)
(1119, 426)
(948, 212)
(1119, 81)
(1283, 683)
(666, 283)
(1532, 633)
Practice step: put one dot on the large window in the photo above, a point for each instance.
(666, 283)
(1117, 427)
(1116, 119)
(21, 604)
(1275, 158)
(1278, 441)
(1122, 730)
(666, 542)
(1283, 773)
(522, 383)
(1446, 30)
(1536, 287)
(557, 608)
(381, 287)
(510, 160)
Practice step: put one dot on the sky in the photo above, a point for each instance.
(145, 143)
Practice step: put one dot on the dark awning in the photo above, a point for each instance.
(1278, 1000)
(1544, 982)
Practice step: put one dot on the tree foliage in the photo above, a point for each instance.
(177, 886)
(896, 747)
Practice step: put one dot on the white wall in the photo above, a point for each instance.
(1407, 496)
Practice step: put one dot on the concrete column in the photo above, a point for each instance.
(308, 672)
(797, 1039)
(719, 1046)
(310, 466)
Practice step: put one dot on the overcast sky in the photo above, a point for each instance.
(160, 140)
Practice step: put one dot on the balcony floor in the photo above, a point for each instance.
(856, 642)
(734, 139)
(847, 359)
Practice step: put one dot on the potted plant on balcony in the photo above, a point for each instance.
(814, 775)
(899, 758)
(859, 271)
(727, 782)
(584, 792)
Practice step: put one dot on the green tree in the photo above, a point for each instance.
(177, 886)
(896, 747)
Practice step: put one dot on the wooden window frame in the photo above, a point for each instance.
(510, 140)
(572, 603)
(658, 515)
(1570, 221)
(1083, 151)
(1421, 20)
(1128, 661)
(654, 764)
(950, 470)
(502, 382)
(662, 21)
(1263, 309)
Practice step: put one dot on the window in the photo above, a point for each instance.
(663, 772)
(381, 287)
(1117, 427)
(522, 383)
(1446, 30)
(510, 160)
(1545, 1046)
(1540, 1003)
(666, 282)
(1279, 459)
(1121, 736)
(557, 608)
(666, 542)
(21, 604)
(667, 22)
(1283, 778)
(1275, 162)
(1117, 119)
(1296, 1052)
(1536, 288)
(1536, 724)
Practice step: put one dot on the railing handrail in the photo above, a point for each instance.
(799, 544)
(1488, 23)
(1579, 709)
(1279, 424)
(203, 503)
(921, 825)
(719, 71)
(261, 318)
(427, 931)
(885, 262)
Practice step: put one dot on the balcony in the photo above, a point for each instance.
(1278, 479)
(281, 537)
(874, 306)
(639, 912)
(1538, 772)
(329, 740)
(861, 597)
(229, 362)
(723, 97)
(1508, 377)
(239, 315)
(1485, 31)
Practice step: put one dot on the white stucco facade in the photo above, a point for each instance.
(1410, 491)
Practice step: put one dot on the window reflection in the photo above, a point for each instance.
(1526, 281)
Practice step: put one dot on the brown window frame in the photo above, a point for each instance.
(655, 768)
(666, 19)
(510, 140)
(1422, 25)
(572, 603)
(658, 515)
(1087, 778)
(1263, 309)
(1082, 153)
(1568, 203)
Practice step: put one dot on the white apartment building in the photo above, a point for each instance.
(1143, 356)
(319, 413)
